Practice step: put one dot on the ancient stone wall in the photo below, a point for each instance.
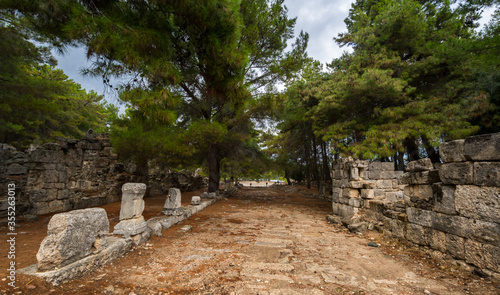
(451, 209)
(76, 174)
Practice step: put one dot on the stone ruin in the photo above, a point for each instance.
(172, 206)
(78, 241)
(452, 209)
(75, 174)
(132, 223)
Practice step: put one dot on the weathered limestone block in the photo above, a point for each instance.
(486, 232)
(492, 257)
(212, 195)
(374, 174)
(350, 193)
(422, 177)
(384, 184)
(452, 151)
(16, 169)
(195, 200)
(487, 173)
(387, 166)
(204, 195)
(394, 196)
(420, 217)
(375, 166)
(478, 202)
(455, 245)
(474, 253)
(482, 147)
(419, 235)
(420, 165)
(396, 228)
(132, 200)
(444, 198)
(172, 206)
(455, 225)
(420, 196)
(354, 174)
(355, 184)
(71, 236)
(48, 153)
(367, 193)
(438, 241)
(131, 227)
(457, 173)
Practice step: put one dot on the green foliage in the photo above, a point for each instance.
(38, 102)
(197, 69)
(411, 78)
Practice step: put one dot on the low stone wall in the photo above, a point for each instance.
(79, 241)
(452, 208)
(76, 174)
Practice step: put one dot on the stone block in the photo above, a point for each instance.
(354, 174)
(452, 151)
(482, 147)
(195, 200)
(374, 174)
(204, 195)
(132, 203)
(419, 235)
(474, 253)
(355, 202)
(455, 225)
(71, 236)
(420, 217)
(485, 232)
(367, 193)
(420, 165)
(394, 196)
(384, 184)
(444, 198)
(355, 184)
(388, 174)
(16, 169)
(387, 166)
(478, 202)
(438, 241)
(375, 166)
(212, 195)
(131, 227)
(487, 173)
(423, 177)
(336, 194)
(350, 193)
(396, 228)
(457, 173)
(40, 195)
(455, 246)
(492, 257)
(420, 196)
(173, 202)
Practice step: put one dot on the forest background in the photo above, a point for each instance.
(204, 80)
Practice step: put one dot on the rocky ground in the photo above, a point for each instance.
(263, 241)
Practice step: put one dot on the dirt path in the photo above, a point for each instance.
(265, 241)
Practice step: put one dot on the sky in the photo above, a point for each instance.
(321, 19)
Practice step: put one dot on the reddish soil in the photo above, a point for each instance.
(260, 241)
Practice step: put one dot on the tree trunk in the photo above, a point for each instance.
(411, 149)
(431, 151)
(315, 161)
(213, 169)
(400, 162)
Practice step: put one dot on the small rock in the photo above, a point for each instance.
(186, 228)
(110, 288)
(427, 292)
(372, 244)
(31, 287)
